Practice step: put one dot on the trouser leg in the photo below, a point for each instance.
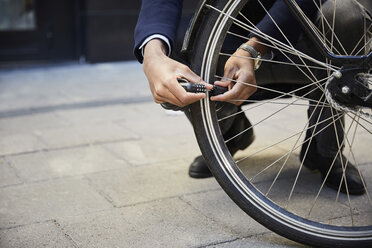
(327, 123)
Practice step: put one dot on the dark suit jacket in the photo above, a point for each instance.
(162, 17)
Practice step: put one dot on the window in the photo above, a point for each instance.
(17, 15)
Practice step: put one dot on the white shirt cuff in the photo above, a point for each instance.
(155, 36)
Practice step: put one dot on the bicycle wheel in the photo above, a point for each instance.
(268, 180)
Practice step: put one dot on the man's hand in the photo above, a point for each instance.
(239, 76)
(162, 73)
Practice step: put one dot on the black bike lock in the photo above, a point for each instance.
(194, 88)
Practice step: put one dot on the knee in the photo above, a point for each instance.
(343, 12)
(347, 18)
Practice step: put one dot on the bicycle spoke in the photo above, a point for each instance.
(285, 37)
(366, 129)
(262, 103)
(275, 91)
(304, 129)
(274, 61)
(240, 133)
(312, 76)
(278, 103)
(350, 145)
(331, 28)
(269, 166)
(343, 178)
(343, 165)
(326, 176)
(255, 31)
(281, 141)
(277, 48)
(308, 146)
(364, 47)
(279, 172)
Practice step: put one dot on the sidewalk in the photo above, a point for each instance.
(87, 159)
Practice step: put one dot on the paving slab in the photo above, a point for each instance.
(166, 223)
(286, 118)
(37, 235)
(71, 83)
(62, 163)
(95, 115)
(30, 123)
(20, 143)
(147, 183)
(261, 241)
(8, 175)
(225, 212)
(361, 148)
(151, 120)
(152, 150)
(38, 202)
(84, 134)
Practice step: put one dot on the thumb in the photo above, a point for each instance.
(227, 78)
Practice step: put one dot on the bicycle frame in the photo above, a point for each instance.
(350, 61)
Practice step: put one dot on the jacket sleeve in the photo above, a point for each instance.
(284, 19)
(156, 17)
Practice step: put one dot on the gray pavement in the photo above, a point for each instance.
(88, 160)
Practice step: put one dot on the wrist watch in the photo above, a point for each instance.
(256, 55)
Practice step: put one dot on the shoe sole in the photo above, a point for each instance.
(312, 167)
(199, 175)
(343, 190)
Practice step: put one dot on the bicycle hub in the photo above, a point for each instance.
(352, 89)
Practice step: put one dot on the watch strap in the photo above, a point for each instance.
(254, 53)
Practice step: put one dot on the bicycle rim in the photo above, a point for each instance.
(312, 214)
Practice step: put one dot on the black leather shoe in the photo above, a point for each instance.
(315, 161)
(199, 167)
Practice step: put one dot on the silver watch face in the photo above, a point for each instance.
(257, 62)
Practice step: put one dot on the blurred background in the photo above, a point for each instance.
(69, 30)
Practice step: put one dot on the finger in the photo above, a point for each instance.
(248, 80)
(171, 98)
(241, 91)
(227, 96)
(187, 99)
(238, 93)
(159, 99)
(193, 78)
(222, 83)
(228, 76)
(184, 98)
(230, 94)
(192, 97)
(226, 81)
(163, 94)
(229, 72)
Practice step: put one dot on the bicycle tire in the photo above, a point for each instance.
(204, 59)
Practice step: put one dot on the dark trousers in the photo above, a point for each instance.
(351, 18)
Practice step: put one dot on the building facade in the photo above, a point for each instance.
(65, 30)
